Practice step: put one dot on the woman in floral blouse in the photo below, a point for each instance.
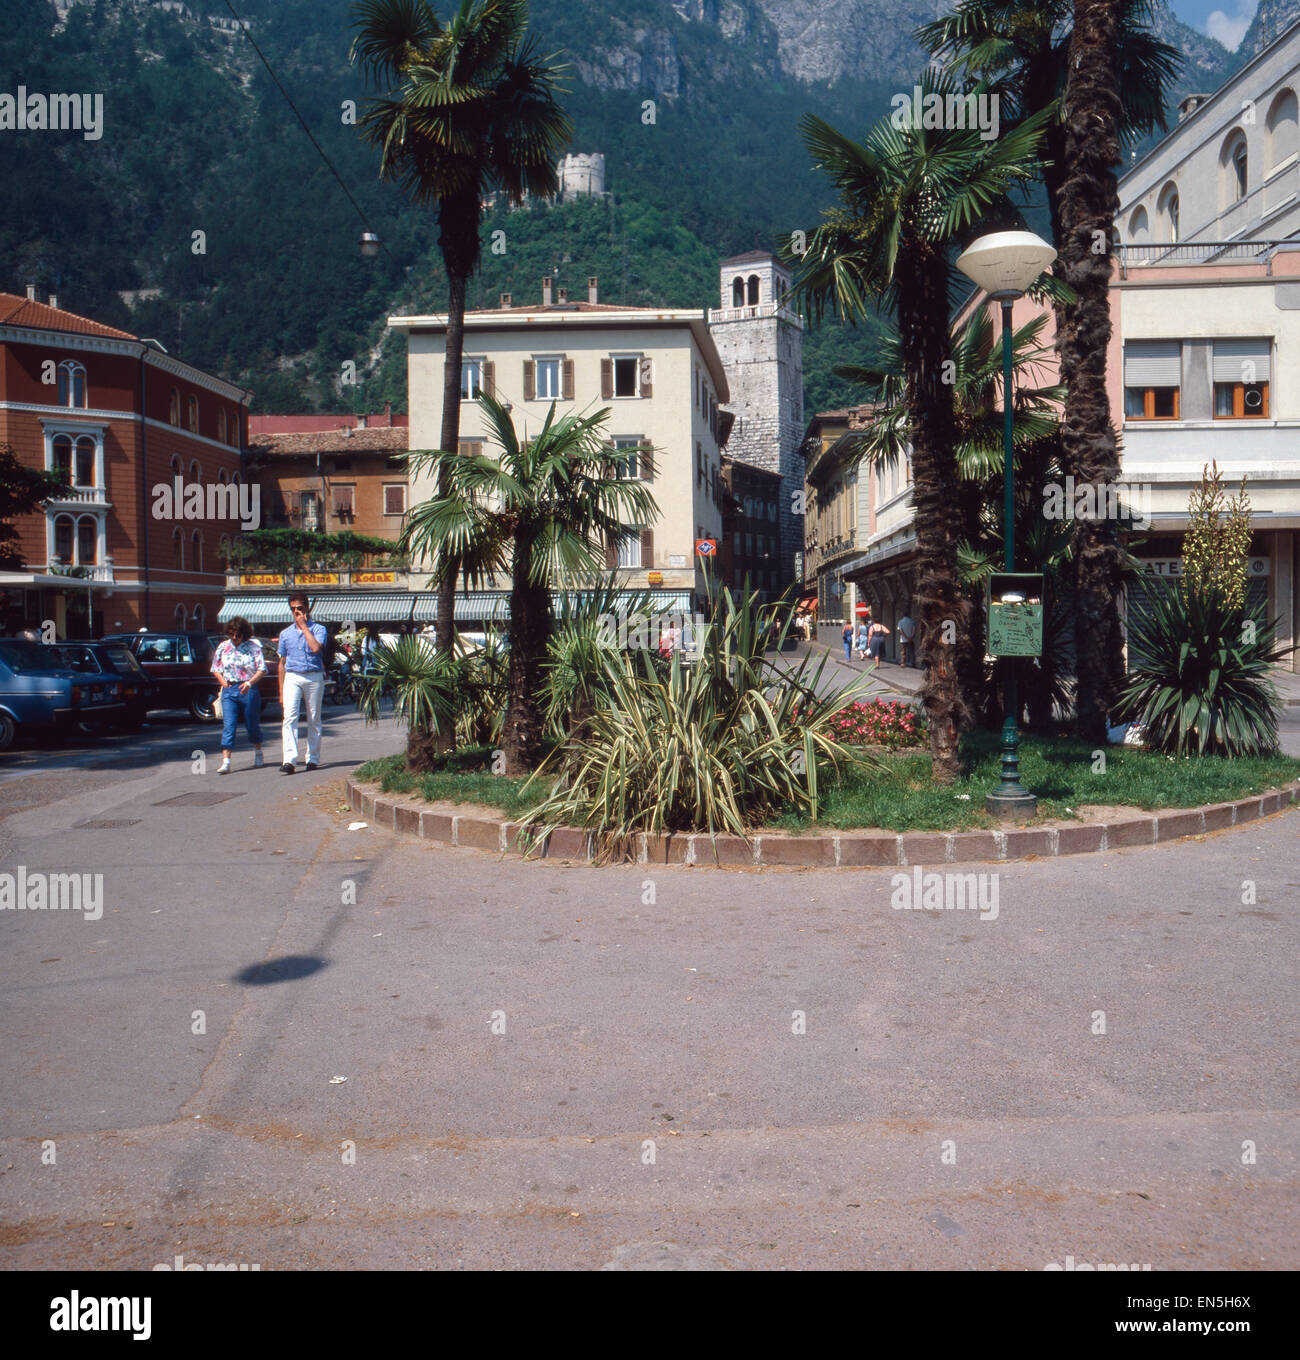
(239, 664)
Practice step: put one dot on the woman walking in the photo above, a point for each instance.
(847, 635)
(238, 665)
(861, 645)
(876, 636)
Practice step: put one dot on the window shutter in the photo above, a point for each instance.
(647, 460)
(489, 378)
(1153, 363)
(606, 379)
(647, 547)
(530, 380)
(646, 372)
(1231, 357)
(567, 389)
(611, 554)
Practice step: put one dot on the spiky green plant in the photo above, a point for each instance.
(432, 692)
(1201, 684)
(716, 746)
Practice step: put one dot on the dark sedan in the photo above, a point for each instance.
(180, 668)
(109, 659)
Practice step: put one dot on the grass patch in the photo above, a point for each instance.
(462, 777)
(1058, 771)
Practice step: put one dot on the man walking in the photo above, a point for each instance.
(907, 636)
(302, 681)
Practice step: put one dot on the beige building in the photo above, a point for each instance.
(658, 372)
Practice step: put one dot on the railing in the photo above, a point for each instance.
(98, 573)
(80, 495)
(1199, 252)
(754, 312)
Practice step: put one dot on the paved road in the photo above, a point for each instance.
(948, 1104)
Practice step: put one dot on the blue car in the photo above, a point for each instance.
(38, 694)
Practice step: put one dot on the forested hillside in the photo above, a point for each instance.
(206, 205)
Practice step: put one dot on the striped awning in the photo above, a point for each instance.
(475, 606)
(378, 606)
(257, 609)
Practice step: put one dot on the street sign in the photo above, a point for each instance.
(705, 547)
(1015, 612)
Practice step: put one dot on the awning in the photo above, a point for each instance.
(476, 606)
(379, 606)
(256, 609)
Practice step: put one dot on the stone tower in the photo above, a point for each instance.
(582, 175)
(760, 342)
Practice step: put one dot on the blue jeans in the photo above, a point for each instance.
(848, 648)
(233, 703)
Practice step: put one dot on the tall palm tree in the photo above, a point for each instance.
(474, 109)
(908, 196)
(1092, 113)
(545, 509)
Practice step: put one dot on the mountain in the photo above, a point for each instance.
(1272, 19)
(205, 218)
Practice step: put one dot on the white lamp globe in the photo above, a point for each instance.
(1005, 263)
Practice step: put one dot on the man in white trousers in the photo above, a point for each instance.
(302, 681)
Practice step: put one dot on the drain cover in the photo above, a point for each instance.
(198, 799)
(105, 823)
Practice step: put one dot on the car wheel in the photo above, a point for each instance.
(7, 730)
(201, 704)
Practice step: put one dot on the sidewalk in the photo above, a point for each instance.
(908, 679)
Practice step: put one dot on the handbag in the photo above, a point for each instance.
(216, 706)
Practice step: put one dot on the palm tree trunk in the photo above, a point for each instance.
(941, 609)
(449, 438)
(529, 632)
(1091, 112)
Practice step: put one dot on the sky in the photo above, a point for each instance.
(1226, 20)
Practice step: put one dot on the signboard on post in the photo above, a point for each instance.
(1015, 614)
(705, 547)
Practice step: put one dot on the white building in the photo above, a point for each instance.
(656, 369)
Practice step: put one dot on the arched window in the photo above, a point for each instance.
(1137, 225)
(174, 408)
(1233, 168)
(87, 541)
(72, 384)
(196, 472)
(84, 462)
(196, 551)
(179, 616)
(178, 550)
(738, 291)
(223, 476)
(63, 455)
(1168, 209)
(63, 542)
(221, 424)
(198, 618)
(175, 466)
(1283, 129)
(192, 415)
(753, 290)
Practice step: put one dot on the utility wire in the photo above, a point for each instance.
(247, 32)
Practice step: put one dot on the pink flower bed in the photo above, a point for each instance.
(880, 722)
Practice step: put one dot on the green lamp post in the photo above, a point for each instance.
(1004, 264)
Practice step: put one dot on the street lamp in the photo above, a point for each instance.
(1004, 264)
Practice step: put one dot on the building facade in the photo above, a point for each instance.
(657, 370)
(759, 338)
(750, 549)
(152, 451)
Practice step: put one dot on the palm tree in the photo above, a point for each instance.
(977, 386)
(1021, 47)
(909, 194)
(1092, 114)
(474, 110)
(546, 509)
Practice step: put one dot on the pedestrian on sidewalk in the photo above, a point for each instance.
(907, 639)
(302, 681)
(861, 646)
(847, 635)
(876, 636)
(239, 664)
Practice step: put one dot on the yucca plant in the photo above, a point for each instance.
(1201, 684)
(717, 746)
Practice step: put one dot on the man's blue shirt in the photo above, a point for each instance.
(298, 657)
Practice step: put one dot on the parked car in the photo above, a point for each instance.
(180, 668)
(37, 691)
(114, 659)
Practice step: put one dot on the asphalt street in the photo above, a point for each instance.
(551, 1066)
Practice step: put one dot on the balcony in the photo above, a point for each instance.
(77, 497)
(96, 573)
(753, 313)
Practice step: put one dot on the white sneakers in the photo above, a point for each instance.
(258, 762)
(225, 766)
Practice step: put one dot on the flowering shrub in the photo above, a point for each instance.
(881, 722)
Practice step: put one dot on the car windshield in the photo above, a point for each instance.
(29, 656)
(122, 661)
(69, 657)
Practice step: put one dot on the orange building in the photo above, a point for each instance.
(152, 450)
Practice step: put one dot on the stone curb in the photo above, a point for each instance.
(901, 849)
